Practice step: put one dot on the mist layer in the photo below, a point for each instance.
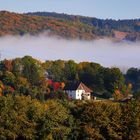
(105, 52)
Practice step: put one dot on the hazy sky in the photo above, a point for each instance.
(116, 9)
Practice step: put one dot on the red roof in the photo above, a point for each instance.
(84, 87)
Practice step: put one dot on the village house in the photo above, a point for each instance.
(78, 91)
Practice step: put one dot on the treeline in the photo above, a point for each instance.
(28, 76)
(103, 81)
(67, 26)
(23, 118)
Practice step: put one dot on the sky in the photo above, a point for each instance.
(115, 9)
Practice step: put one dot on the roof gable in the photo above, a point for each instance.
(84, 87)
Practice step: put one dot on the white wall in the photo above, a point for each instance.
(71, 94)
(77, 94)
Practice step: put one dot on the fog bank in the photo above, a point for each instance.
(105, 52)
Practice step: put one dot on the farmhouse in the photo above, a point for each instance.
(78, 91)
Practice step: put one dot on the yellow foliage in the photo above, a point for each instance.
(130, 86)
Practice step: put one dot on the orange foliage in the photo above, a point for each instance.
(12, 23)
(62, 85)
(117, 95)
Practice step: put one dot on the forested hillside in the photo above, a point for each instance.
(28, 76)
(20, 24)
(119, 25)
(121, 29)
(33, 105)
(68, 26)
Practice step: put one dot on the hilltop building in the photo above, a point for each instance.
(78, 91)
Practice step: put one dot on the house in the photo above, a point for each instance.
(78, 91)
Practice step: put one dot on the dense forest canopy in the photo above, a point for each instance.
(128, 25)
(28, 76)
(68, 26)
(23, 118)
(33, 105)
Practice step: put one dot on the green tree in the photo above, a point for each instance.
(8, 78)
(19, 117)
(70, 71)
(32, 70)
(113, 79)
(131, 120)
(98, 120)
(56, 122)
(17, 67)
(56, 70)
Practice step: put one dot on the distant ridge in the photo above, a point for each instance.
(68, 26)
(70, 16)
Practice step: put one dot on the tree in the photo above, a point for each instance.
(8, 78)
(133, 77)
(97, 120)
(56, 122)
(17, 67)
(32, 70)
(131, 120)
(22, 85)
(56, 70)
(19, 117)
(89, 73)
(70, 71)
(7, 65)
(113, 79)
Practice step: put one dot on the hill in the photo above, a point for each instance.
(131, 25)
(19, 24)
(121, 29)
(68, 26)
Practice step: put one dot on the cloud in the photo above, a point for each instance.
(105, 52)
